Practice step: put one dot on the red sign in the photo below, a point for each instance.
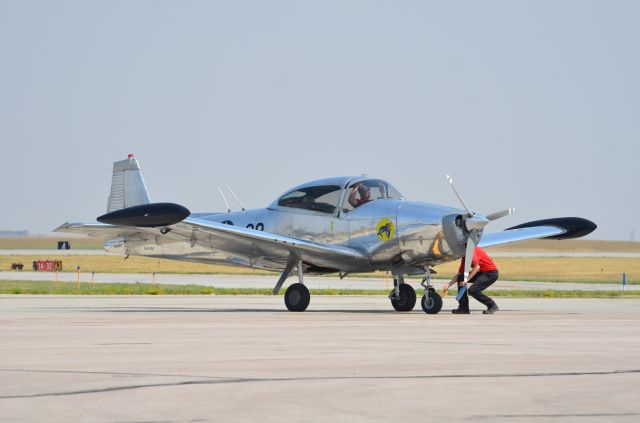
(47, 265)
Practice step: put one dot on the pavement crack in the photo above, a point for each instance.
(219, 381)
(132, 374)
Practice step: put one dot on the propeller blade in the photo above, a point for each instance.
(500, 214)
(472, 241)
(464, 206)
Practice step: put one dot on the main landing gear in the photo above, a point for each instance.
(403, 296)
(297, 296)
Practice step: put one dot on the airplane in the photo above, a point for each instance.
(343, 225)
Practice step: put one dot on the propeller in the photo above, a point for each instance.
(474, 223)
(500, 214)
(464, 206)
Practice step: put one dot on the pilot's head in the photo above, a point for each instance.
(363, 190)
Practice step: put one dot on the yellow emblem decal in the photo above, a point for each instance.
(385, 229)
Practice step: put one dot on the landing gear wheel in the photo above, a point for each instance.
(431, 302)
(407, 299)
(297, 297)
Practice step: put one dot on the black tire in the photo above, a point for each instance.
(407, 299)
(297, 297)
(431, 302)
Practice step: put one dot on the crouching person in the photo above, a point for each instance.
(484, 273)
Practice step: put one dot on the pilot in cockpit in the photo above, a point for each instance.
(364, 195)
(361, 192)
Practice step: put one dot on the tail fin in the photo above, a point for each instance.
(127, 186)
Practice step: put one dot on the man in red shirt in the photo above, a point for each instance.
(484, 272)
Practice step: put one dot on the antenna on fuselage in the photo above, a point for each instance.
(224, 199)
(236, 197)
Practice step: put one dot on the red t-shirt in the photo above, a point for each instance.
(479, 256)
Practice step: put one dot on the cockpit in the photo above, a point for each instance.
(325, 196)
(364, 191)
(322, 198)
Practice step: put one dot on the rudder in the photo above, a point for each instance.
(127, 185)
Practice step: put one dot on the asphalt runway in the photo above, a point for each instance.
(245, 358)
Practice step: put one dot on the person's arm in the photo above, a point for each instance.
(474, 269)
(352, 197)
(451, 282)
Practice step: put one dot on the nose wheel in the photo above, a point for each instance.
(431, 302)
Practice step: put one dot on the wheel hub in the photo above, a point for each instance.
(294, 297)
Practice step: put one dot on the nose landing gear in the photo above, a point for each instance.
(431, 301)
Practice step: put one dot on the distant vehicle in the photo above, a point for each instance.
(339, 225)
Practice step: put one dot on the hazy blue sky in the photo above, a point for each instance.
(529, 104)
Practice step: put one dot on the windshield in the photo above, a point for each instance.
(323, 198)
(362, 192)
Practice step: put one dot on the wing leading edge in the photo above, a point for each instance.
(556, 228)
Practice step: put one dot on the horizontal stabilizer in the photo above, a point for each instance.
(96, 229)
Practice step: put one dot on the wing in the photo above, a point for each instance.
(557, 228)
(234, 244)
(260, 245)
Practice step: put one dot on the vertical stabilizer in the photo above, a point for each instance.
(127, 186)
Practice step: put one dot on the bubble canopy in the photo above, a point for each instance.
(325, 195)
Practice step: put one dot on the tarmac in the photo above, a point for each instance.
(352, 358)
(313, 282)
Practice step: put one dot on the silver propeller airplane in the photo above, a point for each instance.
(336, 225)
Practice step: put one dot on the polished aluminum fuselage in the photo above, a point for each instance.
(415, 239)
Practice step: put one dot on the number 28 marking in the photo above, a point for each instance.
(258, 226)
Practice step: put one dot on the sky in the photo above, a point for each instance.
(527, 104)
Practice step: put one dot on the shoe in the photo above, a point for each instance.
(491, 310)
(458, 311)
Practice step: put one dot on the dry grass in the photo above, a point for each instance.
(50, 243)
(538, 245)
(134, 264)
(555, 269)
(562, 269)
(571, 245)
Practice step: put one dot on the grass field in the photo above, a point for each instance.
(550, 269)
(70, 288)
(540, 245)
(49, 243)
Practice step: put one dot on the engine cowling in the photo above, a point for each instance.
(456, 229)
(455, 233)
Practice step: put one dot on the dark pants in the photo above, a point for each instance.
(480, 282)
